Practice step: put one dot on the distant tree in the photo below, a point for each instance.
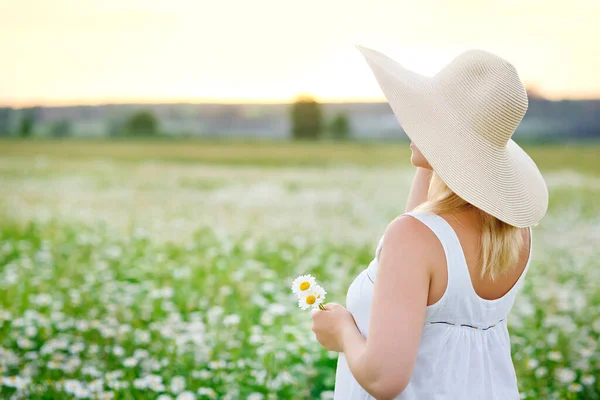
(27, 123)
(61, 128)
(141, 123)
(307, 118)
(5, 121)
(339, 126)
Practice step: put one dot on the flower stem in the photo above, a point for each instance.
(321, 306)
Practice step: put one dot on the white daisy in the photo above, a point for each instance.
(303, 283)
(187, 395)
(71, 386)
(130, 362)
(177, 384)
(588, 380)
(312, 297)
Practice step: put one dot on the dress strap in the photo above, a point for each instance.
(456, 264)
(458, 272)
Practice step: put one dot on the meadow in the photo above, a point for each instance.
(162, 269)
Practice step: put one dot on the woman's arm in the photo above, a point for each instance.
(383, 363)
(419, 188)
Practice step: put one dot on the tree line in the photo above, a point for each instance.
(307, 122)
(140, 123)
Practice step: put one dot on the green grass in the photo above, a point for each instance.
(579, 157)
(134, 263)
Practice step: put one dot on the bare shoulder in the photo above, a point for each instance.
(408, 236)
(409, 229)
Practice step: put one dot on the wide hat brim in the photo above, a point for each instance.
(502, 181)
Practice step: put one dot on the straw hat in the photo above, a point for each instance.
(462, 120)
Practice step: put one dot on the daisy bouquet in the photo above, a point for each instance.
(310, 295)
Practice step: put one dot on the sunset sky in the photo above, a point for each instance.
(98, 51)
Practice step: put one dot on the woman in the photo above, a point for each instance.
(427, 319)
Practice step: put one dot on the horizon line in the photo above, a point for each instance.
(233, 101)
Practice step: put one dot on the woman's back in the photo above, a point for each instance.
(464, 350)
(467, 229)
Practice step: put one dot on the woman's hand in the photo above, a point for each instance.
(331, 324)
(419, 189)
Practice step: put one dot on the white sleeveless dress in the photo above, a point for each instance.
(464, 352)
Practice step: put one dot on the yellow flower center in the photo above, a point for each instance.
(304, 285)
(311, 300)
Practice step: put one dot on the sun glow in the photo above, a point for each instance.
(90, 52)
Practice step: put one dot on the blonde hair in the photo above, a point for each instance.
(500, 243)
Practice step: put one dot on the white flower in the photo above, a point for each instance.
(586, 352)
(140, 353)
(82, 393)
(268, 287)
(31, 331)
(277, 309)
(303, 283)
(157, 387)
(255, 339)
(97, 385)
(114, 375)
(532, 363)
(153, 380)
(588, 380)
(140, 383)
(208, 392)
(15, 382)
(256, 396)
(77, 348)
(311, 298)
(187, 395)
(164, 397)
(24, 343)
(118, 351)
(177, 384)
(575, 387)
(142, 336)
(71, 386)
(555, 356)
(565, 375)
(225, 291)
(202, 374)
(232, 319)
(130, 362)
(328, 395)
